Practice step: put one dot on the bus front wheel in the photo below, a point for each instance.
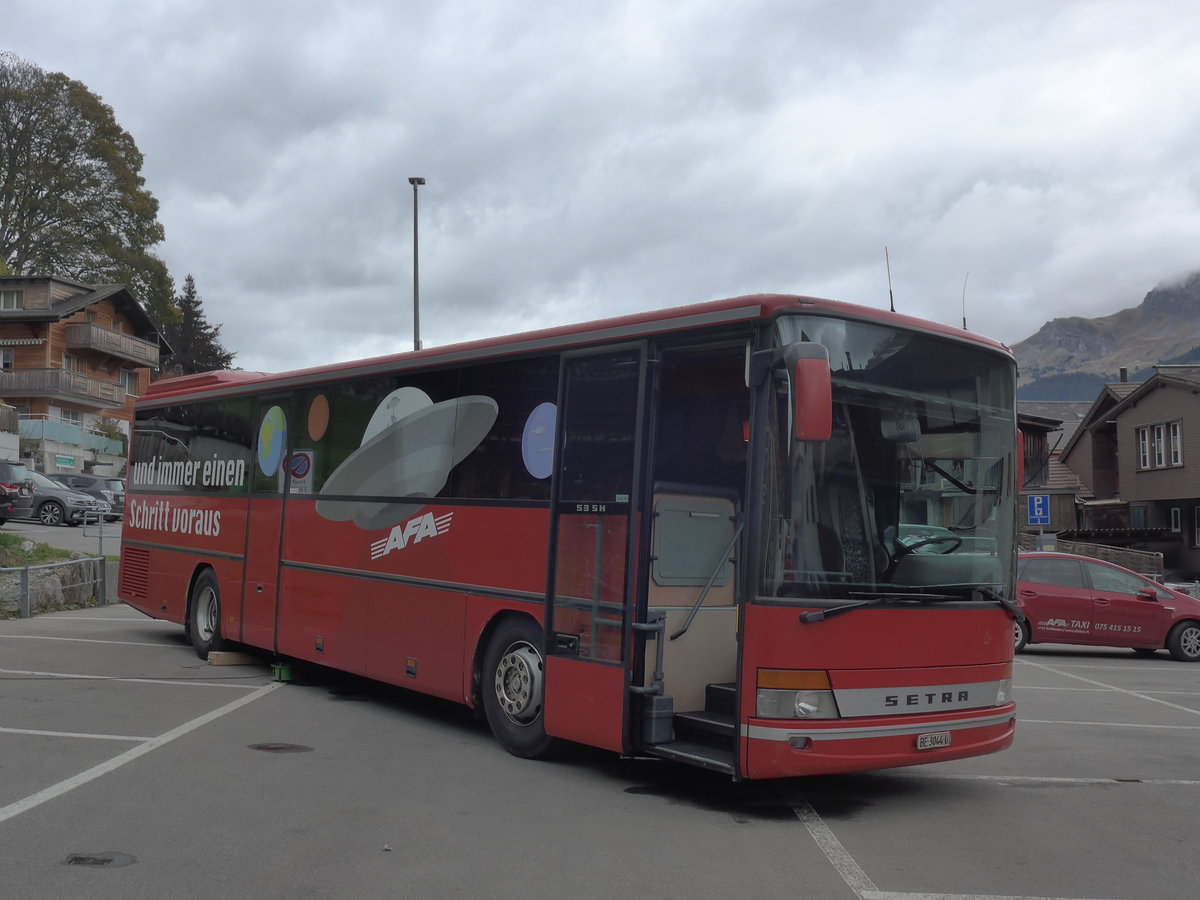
(204, 615)
(513, 689)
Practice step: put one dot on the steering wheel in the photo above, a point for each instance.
(953, 539)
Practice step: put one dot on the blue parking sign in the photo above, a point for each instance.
(1039, 509)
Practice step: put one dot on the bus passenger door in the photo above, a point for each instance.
(594, 528)
(264, 523)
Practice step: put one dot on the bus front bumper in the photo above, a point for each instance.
(773, 748)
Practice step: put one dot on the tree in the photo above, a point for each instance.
(73, 202)
(195, 342)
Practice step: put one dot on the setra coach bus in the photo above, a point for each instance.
(769, 536)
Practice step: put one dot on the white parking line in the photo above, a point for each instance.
(75, 734)
(859, 881)
(1107, 724)
(183, 682)
(1112, 687)
(51, 620)
(1046, 779)
(40, 637)
(1096, 690)
(57, 790)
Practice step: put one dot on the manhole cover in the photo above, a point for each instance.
(107, 860)
(281, 748)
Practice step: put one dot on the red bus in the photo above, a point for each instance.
(769, 536)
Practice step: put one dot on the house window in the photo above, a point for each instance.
(12, 299)
(1176, 519)
(1137, 516)
(1196, 521)
(6, 358)
(1160, 445)
(71, 416)
(129, 381)
(73, 363)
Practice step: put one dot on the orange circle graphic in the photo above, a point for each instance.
(318, 417)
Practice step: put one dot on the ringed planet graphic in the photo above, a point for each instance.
(272, 439)
(408, 449)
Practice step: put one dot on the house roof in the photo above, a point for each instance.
(1061, 479)
(1175, 376)
(1068, 413)
(1110, 396)
(89, 295)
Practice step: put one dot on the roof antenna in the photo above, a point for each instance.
(964, 301)
(888, 261)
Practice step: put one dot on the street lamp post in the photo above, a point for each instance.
(416, 182)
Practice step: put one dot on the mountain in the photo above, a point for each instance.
(1072, 358)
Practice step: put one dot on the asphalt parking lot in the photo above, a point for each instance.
(129, 768)
(96, 539)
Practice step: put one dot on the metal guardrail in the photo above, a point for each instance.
(73, 583)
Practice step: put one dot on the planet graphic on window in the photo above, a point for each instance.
(409, 447)
(272, 440)
(537, 440)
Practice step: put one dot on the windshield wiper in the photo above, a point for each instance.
(820, 615)
(992, 594)
(948, 477)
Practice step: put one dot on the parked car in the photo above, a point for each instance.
(16, 492)
(1069, 599)
(57, 504)
(110, 490)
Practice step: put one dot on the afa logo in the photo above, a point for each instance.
(411, 532)
(1056, 623)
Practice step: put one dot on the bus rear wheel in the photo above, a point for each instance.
(513, 688)
(204, 615)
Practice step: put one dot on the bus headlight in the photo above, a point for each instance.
(790, 694)
(1003, 691)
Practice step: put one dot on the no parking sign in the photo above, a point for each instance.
(300, 469)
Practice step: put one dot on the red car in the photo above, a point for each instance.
(1070, 599)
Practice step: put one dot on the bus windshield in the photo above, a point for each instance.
(912, 495)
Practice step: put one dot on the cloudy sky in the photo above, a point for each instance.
(593, 158)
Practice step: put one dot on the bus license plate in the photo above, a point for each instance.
(933, 740)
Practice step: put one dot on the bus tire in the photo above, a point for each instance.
(1184, 641)
(513, 687)
(204, 615)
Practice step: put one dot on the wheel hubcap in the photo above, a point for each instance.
(1190, 641)
(1017, 634)
(519, 683)
(206, 614)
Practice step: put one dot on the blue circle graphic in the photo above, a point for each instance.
(537, 441)
(272, 440)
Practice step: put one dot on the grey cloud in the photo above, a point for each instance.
(588, 159)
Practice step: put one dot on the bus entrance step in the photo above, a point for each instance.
(706, 727)
(714, 758)
(721, 697)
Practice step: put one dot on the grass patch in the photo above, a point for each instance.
(18, 551)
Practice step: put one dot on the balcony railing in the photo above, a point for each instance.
(40, 428)
(114, 343)
(58, 384)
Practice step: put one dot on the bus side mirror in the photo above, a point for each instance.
(812, 391)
